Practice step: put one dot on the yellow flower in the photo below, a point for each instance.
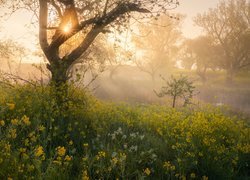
(41, 128)
(2, 123)
(147, 171)
(114, 160)
(9, 178)
(101, 154)
(26, 120)
(61, 151)
(85, 145)
(39, 151)
(14, 122)
(13, 133)
(7, 147)
(70, 142)
(11, 106)
(68, 158)
(85, 175)
(192, 175)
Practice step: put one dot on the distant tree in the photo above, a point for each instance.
(229, 24)
(60, 20)
(186, 54)
(157, 43)
(11, 51)
(180, 87)
(203, 52)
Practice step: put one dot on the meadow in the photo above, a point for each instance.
(87, 138)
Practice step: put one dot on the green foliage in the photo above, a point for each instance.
(90, 139)
(178, 88)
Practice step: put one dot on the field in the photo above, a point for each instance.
(86, 138)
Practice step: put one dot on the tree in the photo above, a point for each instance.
(178, 88)
(60, 20)
(158, 45)
(203, 52)
(229, 24)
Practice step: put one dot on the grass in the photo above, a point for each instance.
(85, 138)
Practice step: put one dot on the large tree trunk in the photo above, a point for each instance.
(59, 74)
(59, 85)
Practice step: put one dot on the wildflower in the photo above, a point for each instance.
(68, 158)
(85, 145)
(13, 133)
(14, 122)
(9, 178)
(85, 175)
(192, 175)
(41, 128)
(101, 154)
(39, 151)
(11, 106)
(26, 120)
(61, 151)
(70, 142)
(7, 147)
(167, 165)
(2, 123)
(114, 160)
(147, 171)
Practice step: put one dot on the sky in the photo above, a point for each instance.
(16, 25)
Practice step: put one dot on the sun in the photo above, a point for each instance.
(67, 28)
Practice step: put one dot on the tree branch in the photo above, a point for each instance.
(99, 26)
(43, 18)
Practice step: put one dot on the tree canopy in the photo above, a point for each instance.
(229, 26)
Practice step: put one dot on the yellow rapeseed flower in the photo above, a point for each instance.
(11, 106)
(41, 128)
(39, 151)
(68, 158)
(147, 171)
(2, 123)
(26, 120)
(71, 142)
(85, 175)
(61, 151)
(85, 145)
(101, 154)
(14, 122)
(13, 133)
(114, 160)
